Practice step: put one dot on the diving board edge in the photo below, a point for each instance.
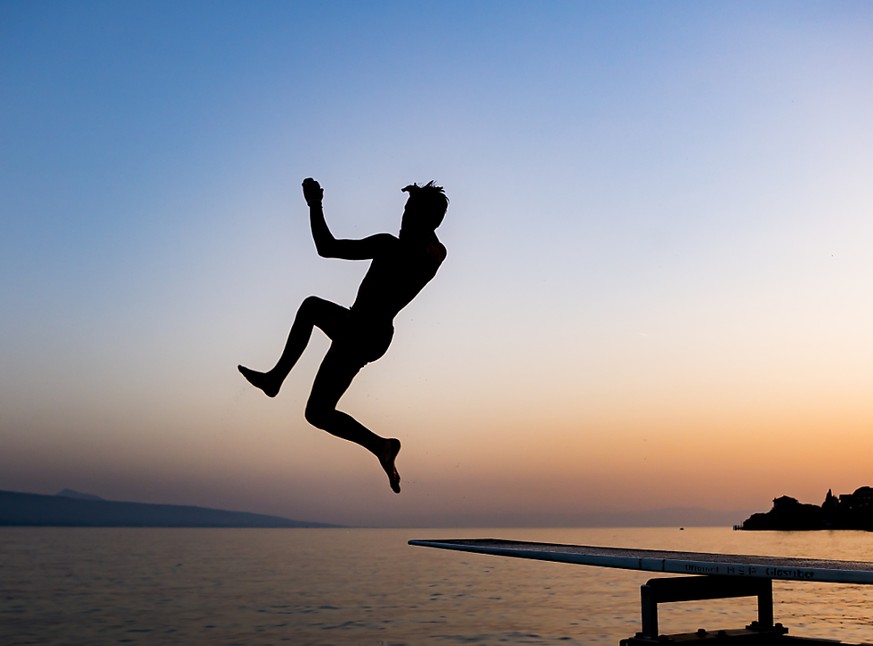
(786, 572)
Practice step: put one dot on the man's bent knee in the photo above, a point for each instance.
(318, 414)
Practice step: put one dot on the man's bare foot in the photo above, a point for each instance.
(260, 380)
(387, 458)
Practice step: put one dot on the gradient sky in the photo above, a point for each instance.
(658, 288)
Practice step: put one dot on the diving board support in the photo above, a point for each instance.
(702, 588)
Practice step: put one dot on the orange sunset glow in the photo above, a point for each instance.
(658, 285)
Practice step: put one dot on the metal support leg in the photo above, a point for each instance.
(700, 588)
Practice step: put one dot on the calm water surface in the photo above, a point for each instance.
(367, 586)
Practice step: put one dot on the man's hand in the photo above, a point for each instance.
(312, 192)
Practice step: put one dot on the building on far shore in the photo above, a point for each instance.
(846, 511)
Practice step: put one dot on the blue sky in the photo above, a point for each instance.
(658, 240)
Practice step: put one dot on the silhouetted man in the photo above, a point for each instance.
(401, 266)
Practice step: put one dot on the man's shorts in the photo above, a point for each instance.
(360, 342)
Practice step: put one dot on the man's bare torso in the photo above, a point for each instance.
(396, 275)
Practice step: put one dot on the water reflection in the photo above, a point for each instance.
(337, 586)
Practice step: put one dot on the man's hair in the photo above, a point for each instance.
(429, 203)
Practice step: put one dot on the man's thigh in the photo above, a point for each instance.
(334, 376)
(329, 317)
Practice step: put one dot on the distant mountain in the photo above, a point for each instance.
(78, 495)
(73, 509)
(846, 511)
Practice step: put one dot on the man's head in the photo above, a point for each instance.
(425, 207)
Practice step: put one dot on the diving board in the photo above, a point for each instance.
(766, 567)
(713, 576)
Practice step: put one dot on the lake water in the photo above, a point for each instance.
(367, 586)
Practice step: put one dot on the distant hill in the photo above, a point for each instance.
(846, 511)
(73, 509)
(69, 493)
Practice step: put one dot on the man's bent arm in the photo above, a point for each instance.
(330, 247)
(313, 194)
(324, 240)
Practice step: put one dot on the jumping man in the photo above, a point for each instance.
(401, 266)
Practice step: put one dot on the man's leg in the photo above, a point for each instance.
(333, 379)
(313, 312)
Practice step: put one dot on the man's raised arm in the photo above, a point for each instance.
(313, 194)
(326, 244)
